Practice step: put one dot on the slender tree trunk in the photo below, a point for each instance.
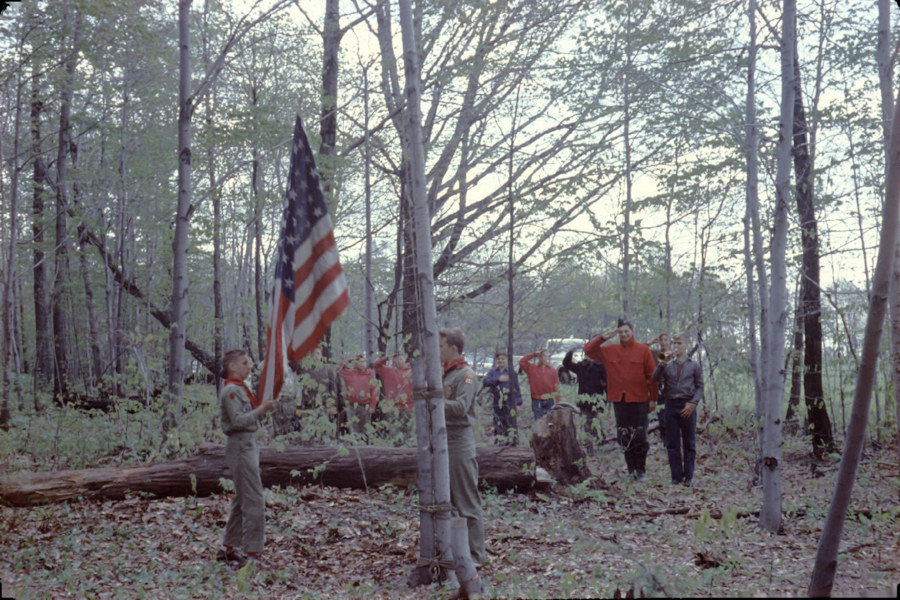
(790, 419)
(511, 267)
(9, 275)
(60, 316)
(810, 293)
(434, 484)
(770, 515)
(43, 362)
(370, 289)
(762, 283)
(626, 231)
(258, 268)
(826, 555)
(886, 84)
(331, 42)
(215, 197)
(182, 222)
(93, 327)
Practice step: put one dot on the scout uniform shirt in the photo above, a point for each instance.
(459, 394)
(237, 405)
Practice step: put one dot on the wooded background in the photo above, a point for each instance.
(585, 161)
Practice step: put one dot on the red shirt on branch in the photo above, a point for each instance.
(629, 369)
(542, 379)
(397, 381)
(360, 386)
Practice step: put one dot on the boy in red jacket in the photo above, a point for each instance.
(543, 380)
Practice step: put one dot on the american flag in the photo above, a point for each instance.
(310, 290)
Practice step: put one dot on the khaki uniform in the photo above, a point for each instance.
(246, 521)
(460, 386)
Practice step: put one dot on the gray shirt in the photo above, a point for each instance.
(237, 413)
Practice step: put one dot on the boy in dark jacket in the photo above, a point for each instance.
(503, 384)
(591, 386)
(681, 380)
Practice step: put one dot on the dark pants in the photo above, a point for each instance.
(680, 431)
(631, 432)
(591, 406)
(541, 407)
(503, 420)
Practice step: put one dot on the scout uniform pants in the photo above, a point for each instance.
(246, 522)
(464, 487)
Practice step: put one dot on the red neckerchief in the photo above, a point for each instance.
(253, 401)
(455, 364)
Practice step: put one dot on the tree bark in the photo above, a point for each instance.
(770, 515)
(59, 294)
(810, 292)
(826, 555)
(43, 362)
(434, 486)
(355, 467)
(556, 449)
(178, 311)
(886, 85)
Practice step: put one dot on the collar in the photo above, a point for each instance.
(627, 344)
(235, 381)
(455, 364)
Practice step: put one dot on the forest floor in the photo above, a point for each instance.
(658, 539)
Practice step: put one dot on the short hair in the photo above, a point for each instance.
(500, 353)
(683, 337)
(454, 337)
(230, 358)
(623, 322)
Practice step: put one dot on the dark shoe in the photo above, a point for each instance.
(257, 561)
(687, 483)
(640, 476)
(224, 555)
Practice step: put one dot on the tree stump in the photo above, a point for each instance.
(556, 447)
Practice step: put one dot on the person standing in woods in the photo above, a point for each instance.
(241, 413)
(682, 390)
(503, 384)
(591, 387)
(319, 391)
(396, 380)
(459, 411)
(664, 354)
(631, 389)
(360, 393)
(543, 380)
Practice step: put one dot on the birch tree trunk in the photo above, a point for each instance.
(770, 515)
(825, 566)
(180, 242)
(434, 487)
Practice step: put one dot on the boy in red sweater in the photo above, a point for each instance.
(360, 391)
(543, 380)
(630, 388)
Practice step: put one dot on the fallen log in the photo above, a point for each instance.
(505, 468)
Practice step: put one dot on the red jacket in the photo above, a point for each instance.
(542, 379)
(360, 386)
(629, 369)
(397, 383)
